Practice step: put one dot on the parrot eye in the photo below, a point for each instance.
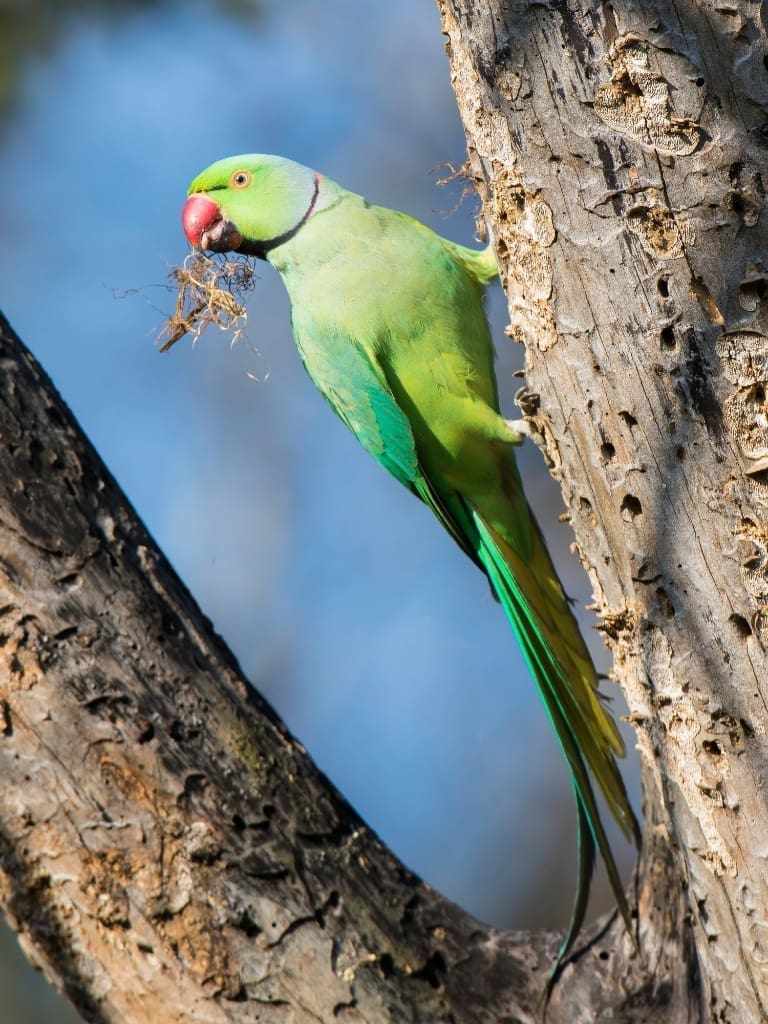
(240, 179)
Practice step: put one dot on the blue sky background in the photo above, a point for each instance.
(373, 636)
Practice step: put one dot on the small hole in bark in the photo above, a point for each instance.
(69, 582)
(631, 506)
(740, 624)
(387, 965)
(66, 633)
(432, 970)
(680, 454)
(604, 954)
(699, 81)
(607, 450)
(585, 504)
(147, 733)
(749, 732)
(753, 293)
(248, 925)
(737, 204)
(663, 287)
(182, 733)
(238, 823)
(628, 418)
(268, 810)
(712, 747)
(195, 784)
(667, 338)
(665, 602)
(6, 723)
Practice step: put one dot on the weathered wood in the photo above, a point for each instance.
(620, 152)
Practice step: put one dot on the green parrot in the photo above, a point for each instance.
(389, 320)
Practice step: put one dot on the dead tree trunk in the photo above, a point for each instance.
(620, 149)
(168, 853)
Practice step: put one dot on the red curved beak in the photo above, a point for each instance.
(199, 215)
(206, 226)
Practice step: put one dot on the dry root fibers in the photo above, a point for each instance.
(210, 290)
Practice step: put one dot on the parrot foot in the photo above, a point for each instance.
(524, 428)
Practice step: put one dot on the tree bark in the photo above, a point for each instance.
(168, 852)
(619, 149)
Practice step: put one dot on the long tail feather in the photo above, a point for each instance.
(586, 856)
(567, 681)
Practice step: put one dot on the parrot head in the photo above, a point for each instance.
(249, 204)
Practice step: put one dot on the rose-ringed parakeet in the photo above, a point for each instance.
(390, 324)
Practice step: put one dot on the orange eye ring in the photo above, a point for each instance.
(241, 179)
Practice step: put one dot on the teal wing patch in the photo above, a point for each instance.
(351, 384)
(357, 391)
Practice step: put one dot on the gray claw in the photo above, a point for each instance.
(527, 401)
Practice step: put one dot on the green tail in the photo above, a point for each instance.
(560, 664)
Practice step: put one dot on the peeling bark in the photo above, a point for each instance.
(619, 149)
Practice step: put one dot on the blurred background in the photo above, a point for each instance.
(376, 640)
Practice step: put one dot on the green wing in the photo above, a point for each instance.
(357, 391)
(352, 386)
